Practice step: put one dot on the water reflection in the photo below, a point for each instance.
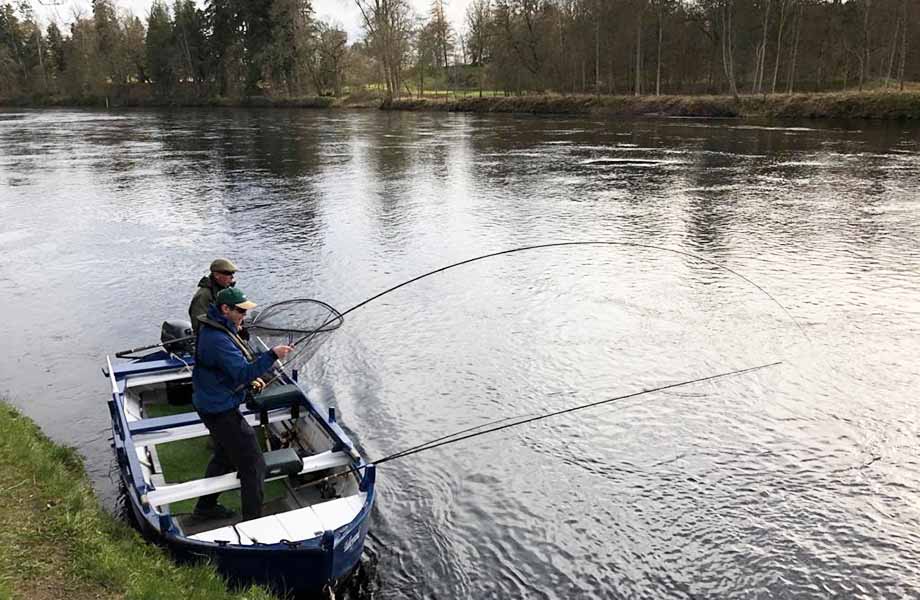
(790, 482)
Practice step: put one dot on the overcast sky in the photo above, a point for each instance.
(341, 12)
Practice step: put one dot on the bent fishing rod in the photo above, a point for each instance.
(500, 424)
(307, 337)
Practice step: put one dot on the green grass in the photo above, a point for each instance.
(436, 94)
(57, 542)
(187, 459)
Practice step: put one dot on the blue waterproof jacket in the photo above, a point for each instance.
(222, 374)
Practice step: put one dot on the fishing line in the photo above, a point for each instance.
(445, 441)
(308, 336)
(464, 435)
(456, 433)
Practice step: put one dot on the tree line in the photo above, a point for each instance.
(227, 48)
(235, 48)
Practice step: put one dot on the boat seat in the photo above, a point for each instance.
(172, 428)
(282, 462)
(274, 397)
(214, 485)
(277, 396)
(167, 422)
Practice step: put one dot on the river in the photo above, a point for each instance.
(737, 244)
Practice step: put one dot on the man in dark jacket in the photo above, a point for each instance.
(225, 367)
(221, 277)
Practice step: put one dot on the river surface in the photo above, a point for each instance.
(801, 480)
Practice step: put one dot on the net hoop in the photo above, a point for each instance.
(331, 322)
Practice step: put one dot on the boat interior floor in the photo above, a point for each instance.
(294, 498)
(191, 524)
(186, 459)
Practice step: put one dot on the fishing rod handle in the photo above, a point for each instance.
(124, 353)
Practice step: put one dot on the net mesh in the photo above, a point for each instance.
(303, 323)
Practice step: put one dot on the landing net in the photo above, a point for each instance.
(303, 323)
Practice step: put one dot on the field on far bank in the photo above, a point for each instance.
(57, 542)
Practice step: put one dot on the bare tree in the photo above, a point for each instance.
(478, 22)
(387, 23)
(728, 45)
(795, 47)
(640, 10)
(443, 39)
(906, 22)
(865, 56)
(783, 6)
(662, 9)
(761, 55)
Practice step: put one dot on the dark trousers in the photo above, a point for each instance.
(236, 447)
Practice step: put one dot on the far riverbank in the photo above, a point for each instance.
(877, 105)
(844, 105)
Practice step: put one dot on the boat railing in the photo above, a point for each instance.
(121, 438)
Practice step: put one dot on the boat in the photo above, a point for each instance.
(311, 535)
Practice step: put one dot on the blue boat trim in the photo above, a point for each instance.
(167, 422)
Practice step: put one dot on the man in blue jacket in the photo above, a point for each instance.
(225, 367)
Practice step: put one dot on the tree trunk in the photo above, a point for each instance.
(611, 73)
(846, 73)
(864, 61)
(597, 55)
(446, 70)
(658, 66)
(779, 42)
(894, 50)
(795, 48)
(762, 51)
(638, 89)
(41, 62)
(188, 55)
(903, 46)
(728, 59)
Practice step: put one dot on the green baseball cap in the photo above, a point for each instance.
(233, 296)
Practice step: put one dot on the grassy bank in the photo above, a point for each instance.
(56, 541)
(879, 104)
(843, 105)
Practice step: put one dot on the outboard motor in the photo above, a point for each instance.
(177, 337)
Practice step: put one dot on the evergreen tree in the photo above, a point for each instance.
(191, 41)
(224, 44)
(160, 49)
(55, 41)
(292, 36)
